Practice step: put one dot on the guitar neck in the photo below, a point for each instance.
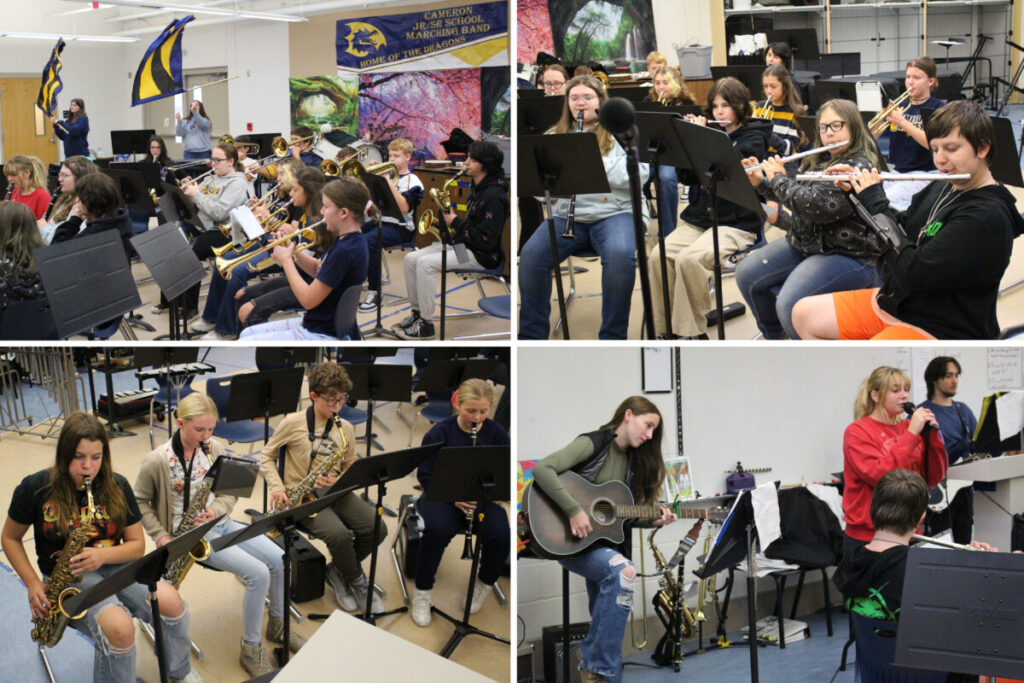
(653, 512)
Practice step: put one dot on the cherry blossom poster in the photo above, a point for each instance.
(585, 30)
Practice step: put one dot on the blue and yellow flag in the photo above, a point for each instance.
(159, 73)
(51, 85)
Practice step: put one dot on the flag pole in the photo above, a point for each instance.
(203, 85)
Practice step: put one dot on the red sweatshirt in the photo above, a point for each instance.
(872, 448)
(37, 200)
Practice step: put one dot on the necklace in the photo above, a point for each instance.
(947, 196)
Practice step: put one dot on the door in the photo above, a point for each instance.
(25, 129)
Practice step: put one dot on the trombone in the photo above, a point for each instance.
(351, 166)
(280, 146)
(877, 124)
(268, 225)
(307, 237)
(199, 177)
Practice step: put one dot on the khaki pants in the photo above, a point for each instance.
(690, 260)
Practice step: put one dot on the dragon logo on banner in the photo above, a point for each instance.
(363, 38)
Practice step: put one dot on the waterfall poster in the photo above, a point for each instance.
(585, 30)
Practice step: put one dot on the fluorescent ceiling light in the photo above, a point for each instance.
(55, 36)
(206, 9)
(90, 8)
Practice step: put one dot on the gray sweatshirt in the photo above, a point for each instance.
(196, 133)
(591, 208)
(218, 195)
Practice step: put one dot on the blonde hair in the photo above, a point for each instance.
(473, 389)
(34, 166)
(656, 56)
(402, 145)
(196, 405)
(882, 379)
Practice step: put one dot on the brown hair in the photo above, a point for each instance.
(232, 153)
(927, 65)
(19, 235)
(898, 501)
(735, 94)
(202, 112)
(81, 109)
(105, 489)
(646, 461)
(552, 67)
(861, 142)
(974, 124)
(348, 193)
(311, 180)
(567, 123)
(329, 377)
(99, 195)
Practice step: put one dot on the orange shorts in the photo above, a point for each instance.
(859, 317)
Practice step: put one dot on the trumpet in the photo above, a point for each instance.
(269, 224)
(765, 112)
(878, 123)
(820, 176)
(801, 155)
(308, 236)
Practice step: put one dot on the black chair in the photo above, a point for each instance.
(345, 325)
(28, 319)
(876, 649)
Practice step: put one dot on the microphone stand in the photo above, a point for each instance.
(626, 139)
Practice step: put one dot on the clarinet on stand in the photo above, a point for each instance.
(570, 219)
(467, 547)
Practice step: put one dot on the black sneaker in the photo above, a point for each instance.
(419, 329)
(409, 320)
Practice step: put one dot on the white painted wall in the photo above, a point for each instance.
(681, 22)
(784, 408)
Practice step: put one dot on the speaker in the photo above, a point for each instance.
(551, 641)
(408, 541)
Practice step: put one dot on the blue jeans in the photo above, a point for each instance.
(112, 664)
(197, 155)
(612, 238)
(611, 601)
(778, 264)
(668, 198)
(259, 563)
(220, 299)
(391, 235)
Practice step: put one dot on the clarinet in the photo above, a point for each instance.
(53, 202)
(570, 219)
(467, 547)
(10, 191)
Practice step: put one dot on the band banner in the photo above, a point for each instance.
(159, 72)
(467, 37)
(51, 83)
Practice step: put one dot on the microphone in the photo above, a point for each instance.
(909, 408)
(617, 116)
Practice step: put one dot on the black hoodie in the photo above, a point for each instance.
(120, 221)
(749, 140)
(873, 581)
(486, 213)
(946, 279)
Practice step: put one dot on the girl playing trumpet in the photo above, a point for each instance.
(781, 106)
(827, 248)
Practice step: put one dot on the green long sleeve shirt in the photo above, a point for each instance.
(545, 472)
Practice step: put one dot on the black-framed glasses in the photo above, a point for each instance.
(333, 400)
(214, 160)
(836, 126)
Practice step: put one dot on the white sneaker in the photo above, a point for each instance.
(202, 325)
(214, 335)
(370, 302)
(480, 592)
(192, 677)
(342, 591)
(420, 611)
(157, 309)
(359, 590)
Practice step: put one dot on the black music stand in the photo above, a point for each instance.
(658, 144)
(166, 252)
(146, 570)
(718, 168)
(285, 356)
(130, 141)
(958, 613)
(150, 172)
(734, 542)
(378, 471)
(560, 166)
(371, 382)
(384, 200)
(185, 208)
(538, 114)
(285, 522)
(264, 394)
(133, 188)
(446, 369)
(481, 474)
(92, 269)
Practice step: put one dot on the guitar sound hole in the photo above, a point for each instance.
(603, 512)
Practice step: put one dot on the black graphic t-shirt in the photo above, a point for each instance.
(31, 504)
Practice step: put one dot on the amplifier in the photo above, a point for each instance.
(524, 664)
(551, 640)
(309, 566)
(408, 542)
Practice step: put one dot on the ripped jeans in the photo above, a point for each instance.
(611, 602)
(118, 665)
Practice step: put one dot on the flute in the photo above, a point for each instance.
(947, 544)
(801, 155)
(821, 176)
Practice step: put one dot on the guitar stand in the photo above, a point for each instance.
(1011, 85)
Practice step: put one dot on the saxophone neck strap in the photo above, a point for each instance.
(311, 433)
(179, 452)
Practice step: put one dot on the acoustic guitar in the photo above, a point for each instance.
(608, 505)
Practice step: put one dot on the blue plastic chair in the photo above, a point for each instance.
(437, 409)
(496, 307)
(240, 431)
(495, 273)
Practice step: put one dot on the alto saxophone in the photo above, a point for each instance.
(303, 491)
(201, 550)
(49, 629)
(668, 601)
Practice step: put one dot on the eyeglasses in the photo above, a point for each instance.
(553, 84)
(63, 176)
(334, 400)
(582, 98)
(836, 126)
(214, 160)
